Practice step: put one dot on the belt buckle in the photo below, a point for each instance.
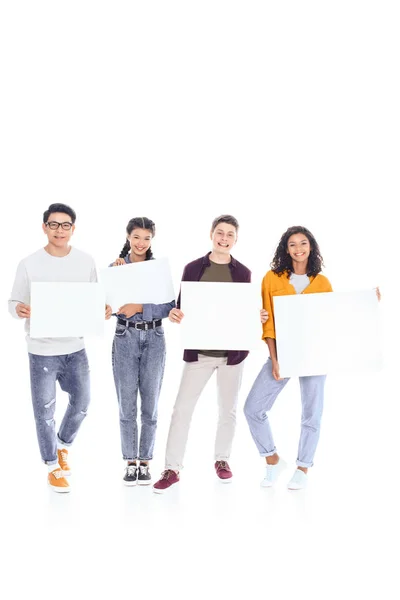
(135, 324)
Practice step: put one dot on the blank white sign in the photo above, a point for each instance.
(332, 332)
(220, 316)
(147, 282)
(66, 309)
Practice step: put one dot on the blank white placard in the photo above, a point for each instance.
(220, 316)
(331, 332)
(66, 309)
(147, 282)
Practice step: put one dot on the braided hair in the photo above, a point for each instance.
(282, 261)
(138, 223)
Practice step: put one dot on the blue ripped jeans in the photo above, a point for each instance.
(72, 373)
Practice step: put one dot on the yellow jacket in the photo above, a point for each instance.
(273, 285)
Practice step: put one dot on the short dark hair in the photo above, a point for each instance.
(225, 219)
(59, 208)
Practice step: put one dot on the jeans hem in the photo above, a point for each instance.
(60, 441)
(300, 463)
(271, 453)
(51, 462)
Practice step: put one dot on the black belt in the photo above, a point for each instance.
(140, 324)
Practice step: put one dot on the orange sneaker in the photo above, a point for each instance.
(63, 461)
(57, 481)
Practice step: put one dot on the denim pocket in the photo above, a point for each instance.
(159, 331)
(120, 330)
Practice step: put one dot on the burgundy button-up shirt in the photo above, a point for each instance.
(193, 272)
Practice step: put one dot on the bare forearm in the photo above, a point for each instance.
(271, 343)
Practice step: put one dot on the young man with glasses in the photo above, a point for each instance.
(55, 359)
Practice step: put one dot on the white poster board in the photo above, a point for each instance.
(147, 282)
(220, 316)
(66, 309)
(331, 332)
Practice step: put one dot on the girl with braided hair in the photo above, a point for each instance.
(138, 360)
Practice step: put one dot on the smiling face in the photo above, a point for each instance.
(299, 248)
(223, 238)
(140, 241)
(59, 229)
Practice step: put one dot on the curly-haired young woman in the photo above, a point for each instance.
(295, 269)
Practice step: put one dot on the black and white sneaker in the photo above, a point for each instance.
(144, 477)
(131, 473)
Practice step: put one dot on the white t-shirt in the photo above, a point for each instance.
(299, 282)
(77, 266)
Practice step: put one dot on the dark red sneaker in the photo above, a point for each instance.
(167, 479)
(223, 471)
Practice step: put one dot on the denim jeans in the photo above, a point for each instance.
(260, 400)
(138, 359)
(72, 373)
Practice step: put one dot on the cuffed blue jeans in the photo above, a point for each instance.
(72, 373)
(261, 399)
(138, 359)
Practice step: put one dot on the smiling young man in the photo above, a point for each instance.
(217, 265)
(55, 359)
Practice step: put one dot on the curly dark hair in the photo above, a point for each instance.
(138, 223)
(282, 262)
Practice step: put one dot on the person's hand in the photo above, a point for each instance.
(378, 294)
(23, 310)
(119, 261)
(108, 311)
(263, 315)
(275, 370)
(175, 315)
(130, 309)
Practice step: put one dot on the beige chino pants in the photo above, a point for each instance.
(194, 378)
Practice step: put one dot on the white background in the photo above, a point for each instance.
(280, 113)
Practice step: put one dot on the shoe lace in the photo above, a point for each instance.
(166, 474)
(131, 470)
(222, 464)
(64, 455)
(57, 473)
(143, 469)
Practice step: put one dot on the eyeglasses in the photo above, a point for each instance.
(54, 225)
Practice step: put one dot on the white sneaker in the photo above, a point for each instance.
(272, 473)
(298, 481)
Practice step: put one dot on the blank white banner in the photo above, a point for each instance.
(66, 309)
(147, 282)
(335, 332)
(220, 316)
